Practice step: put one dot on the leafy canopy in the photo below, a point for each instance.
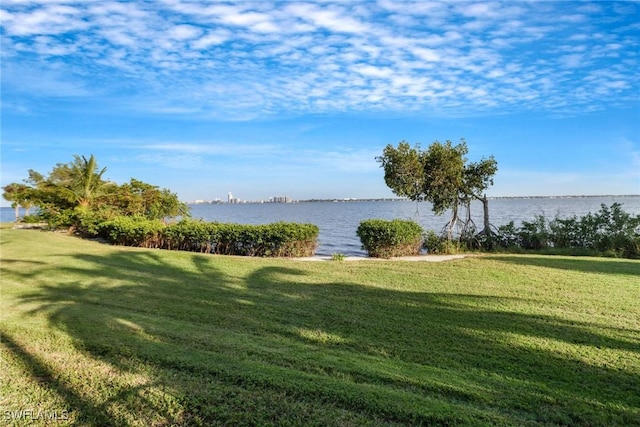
(76, 194)
(404, 170)
(440, 174)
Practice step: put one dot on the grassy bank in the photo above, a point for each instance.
(102, 335)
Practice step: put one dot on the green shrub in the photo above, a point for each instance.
(278, 239)
(452, 247)
(31, 219)
(433, 243)
(535, 234)
(508, 235)
(91, 222)
(190, 235)
(608, 232)
(282, 239)
(615, 231)
(133, 231)
(59, 219)
(567, 233)
(386, 239)
(484, 240)
(337, 256)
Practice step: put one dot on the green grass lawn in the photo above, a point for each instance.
(104, 335)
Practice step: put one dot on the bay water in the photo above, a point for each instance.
(339, 220)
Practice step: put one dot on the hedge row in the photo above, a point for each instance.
(279, 239)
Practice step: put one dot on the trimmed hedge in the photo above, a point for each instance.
(280, 239)
(133, 231)
(390, 238)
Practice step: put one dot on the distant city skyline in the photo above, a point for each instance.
(231, 199)
(298, 98)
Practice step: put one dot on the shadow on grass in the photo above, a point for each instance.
(583, 264)
(90, 413)
(273, 344)
(39, 372)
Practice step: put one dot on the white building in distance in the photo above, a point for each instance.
(281, 199)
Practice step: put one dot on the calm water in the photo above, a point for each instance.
(338, 221)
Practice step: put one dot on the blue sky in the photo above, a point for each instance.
(297, 98)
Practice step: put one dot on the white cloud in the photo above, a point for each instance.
(211, 39)
(184, 32)
(369, 70)
(50, 19)
(261, 58)
(426, 54)
(478, 10)
(332, 17)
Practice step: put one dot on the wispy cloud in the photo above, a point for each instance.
(248, 59)
(223, 157)
(218, 149)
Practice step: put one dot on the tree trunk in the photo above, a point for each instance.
(17, 207)
(485, 208)
(468, 224)
(453, 222)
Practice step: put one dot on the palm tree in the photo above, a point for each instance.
(85, 180)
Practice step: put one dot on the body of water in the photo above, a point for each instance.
(338, 221)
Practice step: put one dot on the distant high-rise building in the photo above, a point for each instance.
(230, 197)
(281, 199)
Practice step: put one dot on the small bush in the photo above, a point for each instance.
(337, 256)
(452, 247)
(433, 243)
(508, 235)
(284, 239)
(386, 239)
(535, 234)
(60, 219)
(439, 244)
(31, 219)
(485, 240)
